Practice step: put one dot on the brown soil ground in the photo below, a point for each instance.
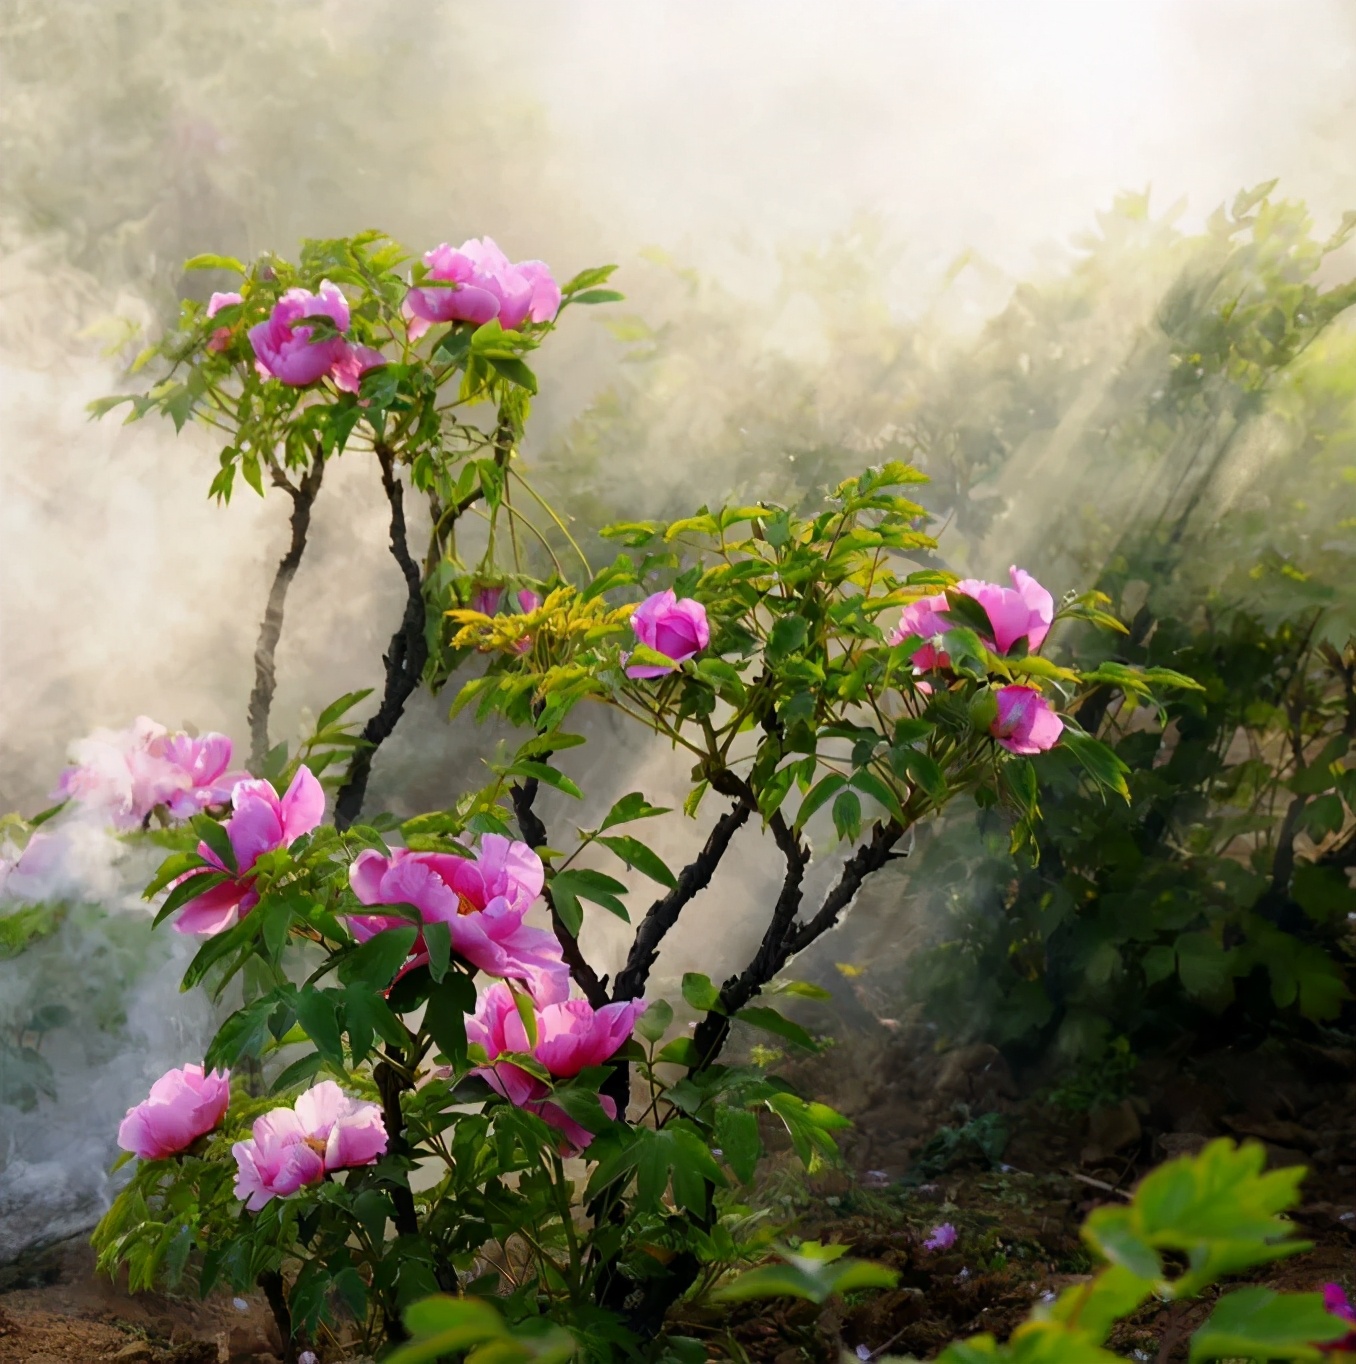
(54, 1309)
(1016, 1198)
(945, 1137)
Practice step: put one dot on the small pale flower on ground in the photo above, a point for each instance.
(1337, 1304)
(942, 1237)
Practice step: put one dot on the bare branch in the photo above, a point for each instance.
(663, 914)
(303, 495)
(534, 835)
(404, 658)
(785, 936)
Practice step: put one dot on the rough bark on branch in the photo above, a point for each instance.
(534, 835)
(786, 937)
(404, 659)
(664, 912)
(303, 495)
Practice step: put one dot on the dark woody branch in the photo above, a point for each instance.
(534, 835)
(303, 494)
(664, 912)
(786, 936)
(404, 659)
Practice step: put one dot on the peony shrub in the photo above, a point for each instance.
(456, 1093)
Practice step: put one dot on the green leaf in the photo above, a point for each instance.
(597, 296)
(586, 884)
(809, 1126)
(438, 940)
(587, 279)
(699, 992)
(807, 1277)
(515, 370)
(376, 961)
(568, 909)
(636, 854)
(1101, 764)
(342, 706)
(654, 1022)
(867, 782)
(818, 794)
(189, 889)
(631, 806)
(445, 1015)
(215, 836)
(917, 767)
(847, 815)
(303, 1069)
(787, 637)
(544, 773)
(736, 1134)
(1257, 1323)
(769, 1020)
(317, 1012)
(527, 1015)
(208, 261)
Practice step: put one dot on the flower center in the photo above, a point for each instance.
(464, 906)
(315, 1144)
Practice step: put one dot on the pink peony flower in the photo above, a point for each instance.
(221, 338)
(478, 283)
(348, 371)
(943, 1237)
(677, 629)
(200, 765)
(1336, 1304)
(1024, 610)
(921, 618)
(124, 774)
(571, 1035)
(183, 1105)
(261, 822)
(324, 1131)
(27, 874)
(1026, 722)
(283, 347)
(482, 899)
(276, 1161)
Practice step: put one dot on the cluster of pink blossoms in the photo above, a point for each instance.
(1025, 722)
(475, 283)
(325, 1130)
(284, 345)
(483, 899)
(124, 774)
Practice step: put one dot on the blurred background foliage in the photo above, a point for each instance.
(1172, 420)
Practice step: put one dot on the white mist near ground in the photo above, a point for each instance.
(134, 133)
